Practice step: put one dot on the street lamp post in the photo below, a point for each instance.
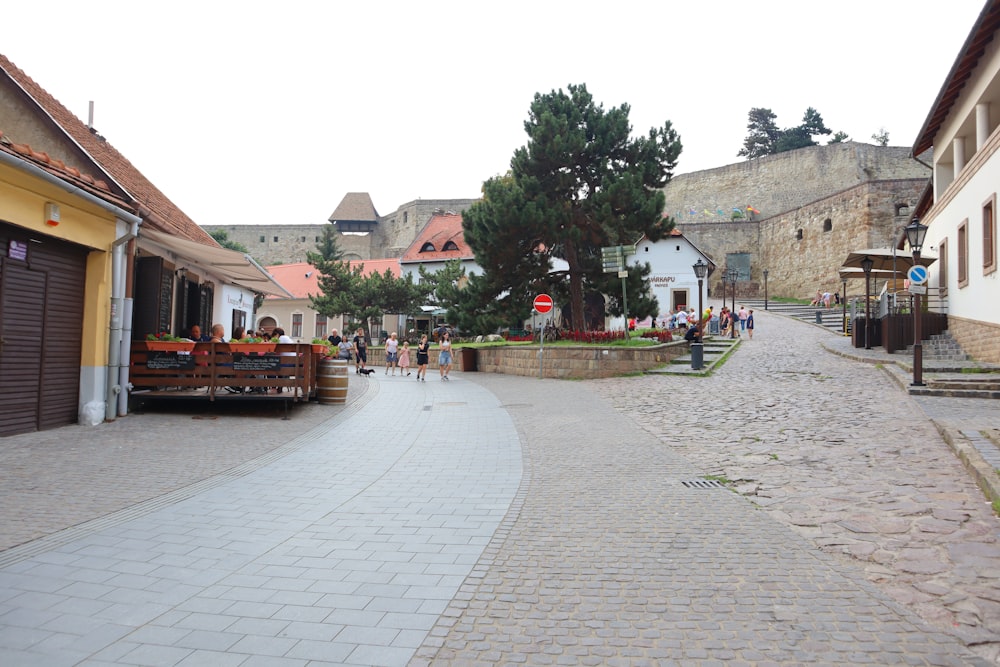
(915, 233)
(843, 300)
(734, 275)
(697, 348)
(866, 266)
(765, 288)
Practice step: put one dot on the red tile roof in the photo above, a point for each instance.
(302, 278)
(440, 230)
(160, 213)
(56, 167)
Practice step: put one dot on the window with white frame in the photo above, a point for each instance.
(320, 326)
(297, 325)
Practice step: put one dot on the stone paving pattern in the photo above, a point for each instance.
(505, 520)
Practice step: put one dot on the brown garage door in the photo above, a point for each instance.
(42, 284)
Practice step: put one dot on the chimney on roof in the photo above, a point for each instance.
(90, 115)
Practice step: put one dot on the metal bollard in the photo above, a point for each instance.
(697, 356)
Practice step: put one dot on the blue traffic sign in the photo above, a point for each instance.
(917, 274)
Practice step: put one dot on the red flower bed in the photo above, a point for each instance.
(598, 337)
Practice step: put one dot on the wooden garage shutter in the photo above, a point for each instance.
(41, 314)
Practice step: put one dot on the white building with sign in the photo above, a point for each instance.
(672, 278)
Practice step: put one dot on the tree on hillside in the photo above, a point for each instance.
(881, 137)
(581, 183)
(764, 137)
(222, 238)
(762, 134)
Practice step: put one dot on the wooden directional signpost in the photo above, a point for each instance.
(613, 261)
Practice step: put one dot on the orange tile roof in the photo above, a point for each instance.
(71, 175)
(438, 231)
(165, 216)
(302, 278)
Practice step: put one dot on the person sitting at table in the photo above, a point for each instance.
(238, 334)
(218, 334)
(196, 336)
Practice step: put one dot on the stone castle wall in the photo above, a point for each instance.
(288, 244)
(839, 198)
(774, 184)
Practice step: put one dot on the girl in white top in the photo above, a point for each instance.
(444, 356)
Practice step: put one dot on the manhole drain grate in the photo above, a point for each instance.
(703, 484)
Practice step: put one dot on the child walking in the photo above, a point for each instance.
(404, 358)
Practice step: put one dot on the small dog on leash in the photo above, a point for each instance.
(366, 371)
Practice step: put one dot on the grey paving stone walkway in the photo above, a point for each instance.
(343, 547)
(497, 520)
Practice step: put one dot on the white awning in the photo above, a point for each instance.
(235, 267)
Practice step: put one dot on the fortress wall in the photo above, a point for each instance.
(778, 183)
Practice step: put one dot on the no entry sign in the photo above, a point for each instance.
(542, 303)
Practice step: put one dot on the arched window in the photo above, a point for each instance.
(427, 247)
(828, 225)
(450, 245)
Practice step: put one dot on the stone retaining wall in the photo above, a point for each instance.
(980, 340)
(561, 362)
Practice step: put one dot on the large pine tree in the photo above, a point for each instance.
(581, 183)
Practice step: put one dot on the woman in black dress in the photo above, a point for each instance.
(422, 357)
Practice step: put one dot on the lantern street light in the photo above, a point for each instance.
(915, 233)
(866, 266)
(765, 288)
(697, 347)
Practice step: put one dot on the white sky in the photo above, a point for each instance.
(265, 113)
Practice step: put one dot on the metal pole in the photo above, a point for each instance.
(843, 300)
(625, 311)
(765, 288)
(732, 329)
(918, 346)
(541, 346)
(868, 309)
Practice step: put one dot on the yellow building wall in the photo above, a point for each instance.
(22, 203)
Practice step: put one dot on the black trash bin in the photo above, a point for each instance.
(468, 358)
(697, 356)
(819, 317)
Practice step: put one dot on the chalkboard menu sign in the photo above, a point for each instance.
(166, 300)
(257, 364)
(170, 361)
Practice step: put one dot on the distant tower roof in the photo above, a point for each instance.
(356, 213)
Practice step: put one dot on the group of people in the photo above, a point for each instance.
(825, 299)
(218, 335)
(731, 323)
(397, 354)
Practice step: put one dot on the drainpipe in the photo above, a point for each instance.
(126, 348)
(114, 388)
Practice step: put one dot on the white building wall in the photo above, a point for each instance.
(978, 300)
(227, 299)
(672, 278)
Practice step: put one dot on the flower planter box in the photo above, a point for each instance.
(249, 348)
(321, 349)
(168, 346)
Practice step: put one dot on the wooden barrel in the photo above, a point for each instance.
(331, 382)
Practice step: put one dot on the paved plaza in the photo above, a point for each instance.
(794, 508)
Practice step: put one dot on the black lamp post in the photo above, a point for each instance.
(843, 300)
(765, 288)
(915, 233)
(734, 275)
(866, 266)
(697, 351)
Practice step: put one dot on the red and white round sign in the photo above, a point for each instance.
(542, 303)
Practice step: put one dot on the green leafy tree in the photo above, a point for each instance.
(221, 237)
(839, 138)
(762, 134)
(581, 183)
(881, 137)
